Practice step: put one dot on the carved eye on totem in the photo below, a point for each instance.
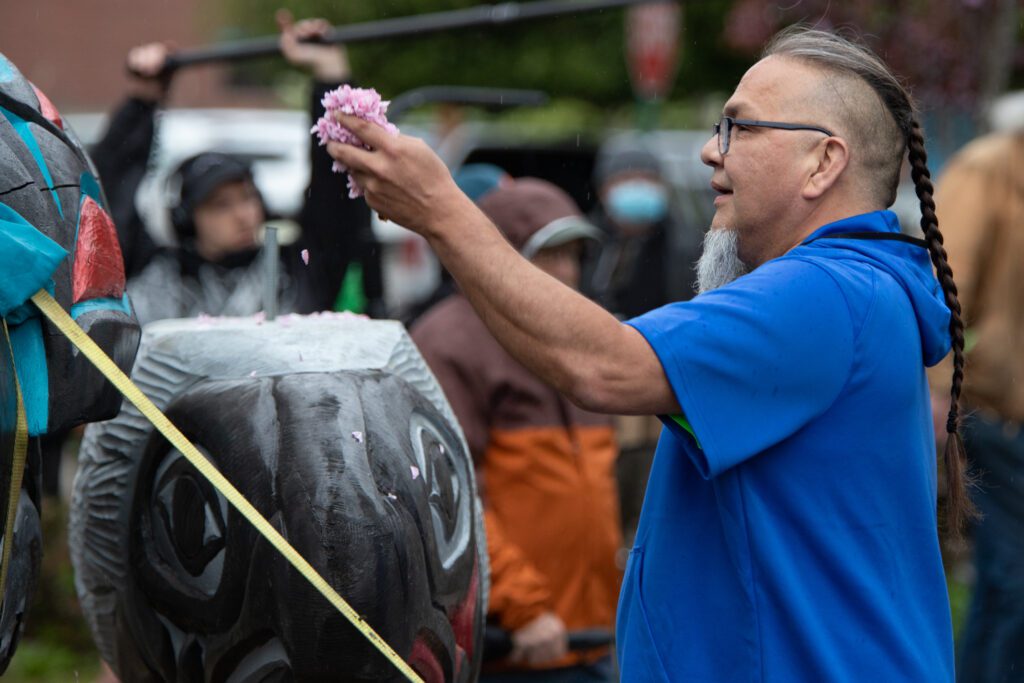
(187, 524)
(449, 497)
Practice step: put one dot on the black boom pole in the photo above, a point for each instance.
(452, 94)
(416, 25)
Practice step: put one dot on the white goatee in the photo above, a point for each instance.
(719, 263)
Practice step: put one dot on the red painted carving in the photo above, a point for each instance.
(464, 618)
(424, 662)
(49, 111)
(98, 271)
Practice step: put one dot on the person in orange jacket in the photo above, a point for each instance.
(546, 467)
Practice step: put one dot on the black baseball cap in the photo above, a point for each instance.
(203, 173)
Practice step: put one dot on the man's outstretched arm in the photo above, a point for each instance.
(560, 335)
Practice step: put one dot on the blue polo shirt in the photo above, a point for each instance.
(792, 537)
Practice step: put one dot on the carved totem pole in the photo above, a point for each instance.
(55, 233)
(332, 426)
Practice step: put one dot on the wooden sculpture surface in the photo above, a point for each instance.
(55, 233)
(335, 430)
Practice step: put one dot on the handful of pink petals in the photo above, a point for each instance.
(362, 102)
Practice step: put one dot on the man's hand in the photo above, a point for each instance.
(147, 65)
(403, 180)
(541, 641)
(328, 63)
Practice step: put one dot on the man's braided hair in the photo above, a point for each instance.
(846, 59)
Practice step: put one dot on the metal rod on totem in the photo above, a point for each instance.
(400, 27)
(271, 264)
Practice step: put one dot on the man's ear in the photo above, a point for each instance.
(833, 157)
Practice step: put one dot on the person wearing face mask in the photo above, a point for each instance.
(631, 272)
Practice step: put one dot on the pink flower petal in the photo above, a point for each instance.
(305, 256)
(362, 102)
(415, 471)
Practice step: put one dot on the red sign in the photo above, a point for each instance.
(652, 47)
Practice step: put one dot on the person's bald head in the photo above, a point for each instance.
(858, 95)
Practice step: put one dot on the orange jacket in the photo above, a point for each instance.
(546, 471)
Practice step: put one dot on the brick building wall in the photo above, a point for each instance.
(74, 50)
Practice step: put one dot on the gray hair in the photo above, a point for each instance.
(878, 120)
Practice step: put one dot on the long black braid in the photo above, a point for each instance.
(959, 507)
(848, 59)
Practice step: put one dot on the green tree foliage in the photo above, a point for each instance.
(578, 56)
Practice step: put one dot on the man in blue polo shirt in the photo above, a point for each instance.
(789, 528)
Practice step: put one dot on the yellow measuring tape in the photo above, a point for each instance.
(17, 474)
(59, 317)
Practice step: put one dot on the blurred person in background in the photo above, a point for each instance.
(217, 211)
(647, 259)
(980, 201)
(545, 467)
(477, 180)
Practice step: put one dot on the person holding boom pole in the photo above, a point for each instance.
(216, 210)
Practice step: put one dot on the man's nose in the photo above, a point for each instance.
(709, 153)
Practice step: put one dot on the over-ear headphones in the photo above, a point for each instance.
(180, 220)
(193, 181)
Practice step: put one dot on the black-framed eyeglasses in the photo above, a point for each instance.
(723, 129)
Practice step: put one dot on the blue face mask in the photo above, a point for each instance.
(637, 201)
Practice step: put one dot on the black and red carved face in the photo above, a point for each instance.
(48, 181)
(358, 468)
